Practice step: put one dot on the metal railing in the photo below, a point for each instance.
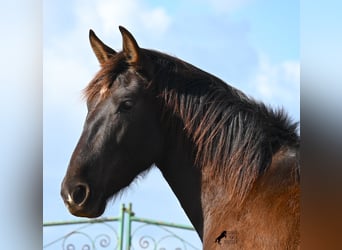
(124, 232)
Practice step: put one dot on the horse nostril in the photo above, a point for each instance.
(80, 194)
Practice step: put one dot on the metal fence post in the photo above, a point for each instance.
(121, 226)
(129, 223)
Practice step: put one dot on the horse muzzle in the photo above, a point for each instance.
(76, 197)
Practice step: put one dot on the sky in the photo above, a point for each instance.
(250, 44)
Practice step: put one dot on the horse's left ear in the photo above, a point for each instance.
(101, 50)
(130, 46)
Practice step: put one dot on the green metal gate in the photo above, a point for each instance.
(124, 232)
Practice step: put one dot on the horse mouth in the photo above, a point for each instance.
(86, 210)
(89, 207)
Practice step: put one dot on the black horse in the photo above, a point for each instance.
(231, 161)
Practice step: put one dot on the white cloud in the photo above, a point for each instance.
(156, 20)
(64, 77)
(108, 14)
(277, 83)
(228, 5)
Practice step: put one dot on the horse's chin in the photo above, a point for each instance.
(89, 211)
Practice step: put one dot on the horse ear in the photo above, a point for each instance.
(101, 50)
(130, 46)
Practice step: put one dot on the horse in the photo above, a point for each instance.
(222, 235)
(232, 161)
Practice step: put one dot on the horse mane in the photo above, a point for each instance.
(234, 136)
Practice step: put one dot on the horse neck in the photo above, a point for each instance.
(177, 167)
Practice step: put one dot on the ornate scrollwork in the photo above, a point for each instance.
(83, 238)
(145, 242)
(102, 241)
(173, 240)
(163, 239)
(81, 244)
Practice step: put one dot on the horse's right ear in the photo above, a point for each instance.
(130, 46)
(101, 50)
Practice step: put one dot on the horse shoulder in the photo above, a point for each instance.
(269, 217)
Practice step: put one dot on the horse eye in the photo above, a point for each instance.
(126, 105)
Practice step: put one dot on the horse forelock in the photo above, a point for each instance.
(105, 77)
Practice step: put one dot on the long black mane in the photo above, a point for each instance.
(233, 134)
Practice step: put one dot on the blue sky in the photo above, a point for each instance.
(251, 44)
